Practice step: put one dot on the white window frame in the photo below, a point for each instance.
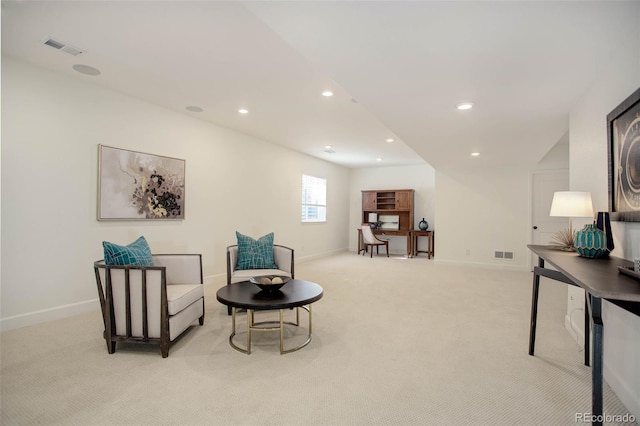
(311, 201)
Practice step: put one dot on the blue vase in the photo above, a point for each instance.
(423, 225)
(591, 242)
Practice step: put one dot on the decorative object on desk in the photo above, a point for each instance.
(623, 133)
(603, 222)
(389, 221)
(270, 282)
(373, 220)
(591, 242)
(569, 204)
(423, 225)
(629, 272)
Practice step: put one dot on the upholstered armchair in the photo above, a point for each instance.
(282, 256)
(150, 304)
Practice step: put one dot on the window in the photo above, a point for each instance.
(314, 199)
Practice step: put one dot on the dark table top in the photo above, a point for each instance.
(246, 295)
(599, 276)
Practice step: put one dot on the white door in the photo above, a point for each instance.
(544, 184)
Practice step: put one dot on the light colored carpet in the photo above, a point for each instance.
(396, 342)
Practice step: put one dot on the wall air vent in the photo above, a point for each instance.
(67, 48)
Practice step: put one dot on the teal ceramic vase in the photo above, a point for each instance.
(423, 225)
(591, 242)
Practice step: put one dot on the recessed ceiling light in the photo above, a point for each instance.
(464, 106)
(475, 154)
(389, 140)
(379, 159)
(86, 69)
(327, 93)
(194, 108)
(243, 111)
(328, 147)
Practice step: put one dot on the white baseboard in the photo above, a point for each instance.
(630, 400)
(618, 384)
(216, 279)
(518, 268)
(51, 314)
(65, 311)
(301, 259)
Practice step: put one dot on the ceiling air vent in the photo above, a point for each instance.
(55, 44)
(67, 48)
(72, 50)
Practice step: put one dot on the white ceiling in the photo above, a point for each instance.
(397, 69)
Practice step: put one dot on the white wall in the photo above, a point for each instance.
(51, 128)
(421, 178)
(557, 158)
(480, 211)
(588, 171)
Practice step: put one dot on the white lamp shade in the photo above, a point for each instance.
(571, 204)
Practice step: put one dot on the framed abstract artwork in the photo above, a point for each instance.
(623, 138)
(135, 185)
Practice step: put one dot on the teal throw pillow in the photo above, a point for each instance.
(255, 254)
(137, 253)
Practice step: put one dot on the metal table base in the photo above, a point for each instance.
(269, 326)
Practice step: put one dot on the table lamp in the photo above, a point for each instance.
(570, 204)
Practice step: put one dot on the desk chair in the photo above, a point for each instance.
(370, 240)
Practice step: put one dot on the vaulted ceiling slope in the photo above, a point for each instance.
(397, 69)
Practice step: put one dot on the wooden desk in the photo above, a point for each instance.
(601, 280)
(390, 232)
(414, 241)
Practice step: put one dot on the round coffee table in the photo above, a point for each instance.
(245, 295)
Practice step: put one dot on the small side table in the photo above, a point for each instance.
(430, 242)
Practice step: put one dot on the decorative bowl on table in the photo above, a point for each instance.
(270, 282)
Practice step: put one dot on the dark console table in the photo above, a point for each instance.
(600, 279)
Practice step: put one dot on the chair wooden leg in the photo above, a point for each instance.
(164, 347)
(111, 345)
(386, 246)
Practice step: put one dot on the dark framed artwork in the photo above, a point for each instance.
(135, 185)
(623, 138)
